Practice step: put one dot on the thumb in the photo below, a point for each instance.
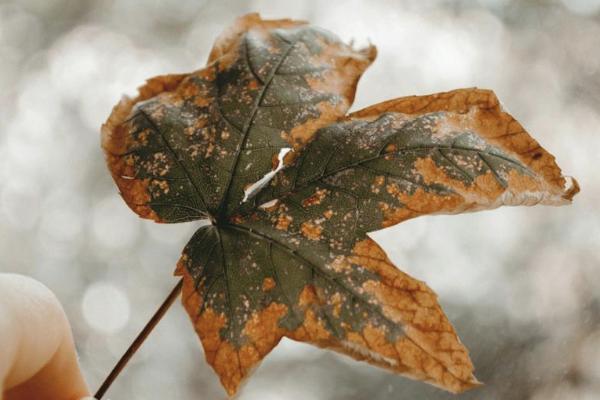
(37, 353)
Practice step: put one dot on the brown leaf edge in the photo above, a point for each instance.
(429, 350)
(115, 141)
(481, 110)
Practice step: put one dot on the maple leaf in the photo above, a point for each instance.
(292, 258)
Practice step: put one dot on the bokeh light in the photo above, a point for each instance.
(105, 307)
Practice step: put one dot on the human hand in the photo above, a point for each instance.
(37, 354)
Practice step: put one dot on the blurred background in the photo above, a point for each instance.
(521, 285)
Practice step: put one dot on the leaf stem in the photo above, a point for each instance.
(139, 340)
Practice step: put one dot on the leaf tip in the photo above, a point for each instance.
(471, 383)
(571, 188)
(370, 52)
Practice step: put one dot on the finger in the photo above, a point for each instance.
(37, 353)
(59, 379)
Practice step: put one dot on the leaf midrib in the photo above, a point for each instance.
(405, 150)
(222, 210)
(296, 187)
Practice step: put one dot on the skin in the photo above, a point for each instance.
(37, 352)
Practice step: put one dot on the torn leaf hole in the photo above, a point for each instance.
(254, 188)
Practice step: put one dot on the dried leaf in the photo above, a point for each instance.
(295, 259)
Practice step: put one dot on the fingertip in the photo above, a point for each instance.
(36, 326)
(45, 366)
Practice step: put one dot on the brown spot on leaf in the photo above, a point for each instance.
(301, 134)
(336, 303)
(311, 230)
(307, 296)
(268, 284)
(237, 219)
(316, 198)
(391, 148)
(418, 203)
(340, 264)
(283, 222)
(159, 185)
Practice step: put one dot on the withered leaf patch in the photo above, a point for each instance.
(293, 258)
